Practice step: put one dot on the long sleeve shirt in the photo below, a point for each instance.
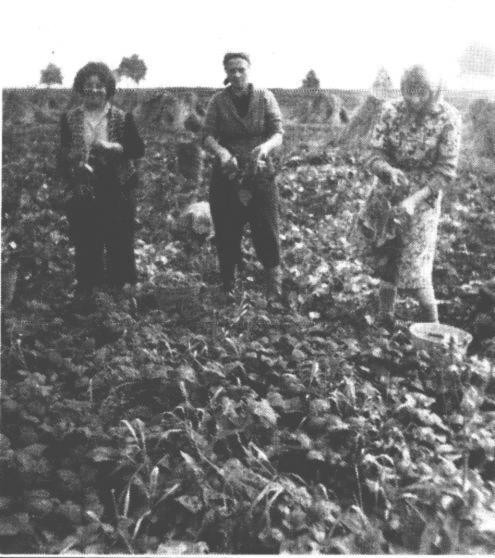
(117, 127)
(240, 134)
(429, 146)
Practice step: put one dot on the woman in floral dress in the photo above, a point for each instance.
(414, 152)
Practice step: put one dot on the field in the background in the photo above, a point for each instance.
(153, 426)
(287, 98)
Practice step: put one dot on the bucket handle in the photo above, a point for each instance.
(452, 340)
(436, 335)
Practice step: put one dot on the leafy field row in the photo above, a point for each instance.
(297, 427)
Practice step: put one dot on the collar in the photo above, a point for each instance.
(242, 95)
(434, 109)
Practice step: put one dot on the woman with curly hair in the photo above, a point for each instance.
(243, 125)
(100, 145)
(414, 151)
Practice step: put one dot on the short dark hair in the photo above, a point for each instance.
(231, 55)
(99, 69)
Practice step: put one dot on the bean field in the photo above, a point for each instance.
(165, 421)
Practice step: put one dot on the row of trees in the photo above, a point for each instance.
(132, 67)
(476, 59)
(382, 81)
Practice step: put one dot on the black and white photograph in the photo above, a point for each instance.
(248, 277)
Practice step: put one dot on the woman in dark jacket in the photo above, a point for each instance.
(100, 146)
(243, 125)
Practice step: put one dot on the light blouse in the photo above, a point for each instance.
(96, 126)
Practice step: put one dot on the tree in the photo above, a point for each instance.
(132, 67)
(382, 86)
(311, 81)
(382, 80)
(50, 75)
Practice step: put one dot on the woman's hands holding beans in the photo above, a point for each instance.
(387, 172)
(104, 151)
(411, 202)
(228, 162)
(104, 146)
(258, 155)
(408, 205)
(437, 184)
(397, 177)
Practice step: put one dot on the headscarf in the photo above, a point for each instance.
(229, 55)
(416, 77)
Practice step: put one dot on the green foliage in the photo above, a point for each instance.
(311, 81)
(297, 427)
(132, 67)
(382, 86)
(51, 74)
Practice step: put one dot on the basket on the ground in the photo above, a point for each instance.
(440, 339)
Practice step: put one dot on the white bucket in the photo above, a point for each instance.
(440, 338)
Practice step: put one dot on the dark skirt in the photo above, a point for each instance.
(230, 216)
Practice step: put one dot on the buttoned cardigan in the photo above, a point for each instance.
(241, 134)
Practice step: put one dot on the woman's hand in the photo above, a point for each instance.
(224, 156)
(397, 177)
(436, 184)
(82, 172)
(228, 162)
(387, 172)
(408, 205)
(259, 154)
(108, 146)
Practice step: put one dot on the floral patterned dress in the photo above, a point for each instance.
(422, 149)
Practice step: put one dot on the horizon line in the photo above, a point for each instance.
(57, 87)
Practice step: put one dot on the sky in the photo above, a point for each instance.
(183, 41)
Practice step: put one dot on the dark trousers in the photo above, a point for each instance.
(230, 216)
(102, 231)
